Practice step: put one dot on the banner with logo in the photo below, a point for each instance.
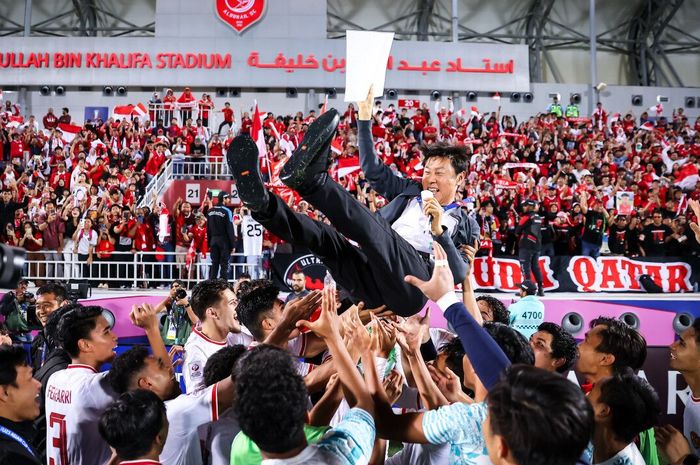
(561, 273)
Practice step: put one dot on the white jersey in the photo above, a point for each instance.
(75, 400)
(414, 226)
(691, 423)
(252, 232)
(630, 455)
(185, 413)
(198, 349)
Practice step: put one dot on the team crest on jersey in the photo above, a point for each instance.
(194, 368)
(240, 14)
(312, 267)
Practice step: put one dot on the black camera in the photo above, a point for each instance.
(11, 265)
(28, 296)
(180, 294)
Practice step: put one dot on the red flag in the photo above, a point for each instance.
(122, 111)
(648, 126)
(140, 109)
(69, 131)
(256, 131)
(337, 145)
(348, 165)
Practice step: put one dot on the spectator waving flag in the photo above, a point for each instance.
(69, 131)
(648, 126)
(122, 111)
(140, 110)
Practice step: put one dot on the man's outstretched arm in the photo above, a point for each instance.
(380, 177)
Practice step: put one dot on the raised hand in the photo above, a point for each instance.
(302, 308)
(327, 326)
(383, 337)
(365, 107)
(393, 385)
(410, 334)
(143, 316)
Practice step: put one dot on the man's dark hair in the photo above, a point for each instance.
(206, 294)
(75, 325)
(511, 342)
(55, 288)
(125, 366)
(254, 304)
(457, 154)
(563, 345)
(130, 425)
(11, 357)
(455, 352)
(274, 422)
(51, 328)
(633, 402)
(627, 345)
(500, 313)
(521, 411)
(220, 365)
(298, 272)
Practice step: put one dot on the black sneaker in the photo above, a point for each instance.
(311, 159)
(242, 159)
(540, 291)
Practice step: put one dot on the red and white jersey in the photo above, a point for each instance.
(186, 413)
(75, 399)
(198, 349)
(140, 462)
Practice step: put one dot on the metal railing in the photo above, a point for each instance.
(194, 111)
(157, 185)
(134, 270)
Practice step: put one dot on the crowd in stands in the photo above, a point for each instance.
(621, 184)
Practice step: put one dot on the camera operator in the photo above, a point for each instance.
(49, 298)
(15, 306)
(178, 318)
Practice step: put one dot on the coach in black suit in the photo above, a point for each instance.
(393, 243)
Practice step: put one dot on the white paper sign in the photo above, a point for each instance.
(366, 56)
(192, 193)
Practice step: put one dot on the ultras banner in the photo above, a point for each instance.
(561, 273)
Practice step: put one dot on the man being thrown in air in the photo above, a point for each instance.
(393, 243)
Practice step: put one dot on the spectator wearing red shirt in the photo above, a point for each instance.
(186, 102)
(17, 148)
(155, 163)
(205, 105)
(65, 116)
(228, 118)
(50, 121)
(216, 153)
(32, 241)
(59, 174)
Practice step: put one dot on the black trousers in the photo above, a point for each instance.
(220, 253)
(529, 262)
(373, 273)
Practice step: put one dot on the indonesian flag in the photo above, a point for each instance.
(140, 109)
(348, 165)
(122, 111)
(256, 131)
(97, 143)
(69, 131)
(325, 104)
(16, 119)
(475, 111)
(648, 126)
(615, 117)
(337, 145)
(496, 96)
(658, 108)
(189, 258)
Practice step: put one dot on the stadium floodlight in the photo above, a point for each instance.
(471, 96)
(515, 96)
(291, 92)
(45, 90)
(435, 95)
(637, 100)
(121, 91)
(528, 97)
(107, 91)
(392, 94)
(59, 90)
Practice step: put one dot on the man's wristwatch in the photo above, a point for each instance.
(691, 459)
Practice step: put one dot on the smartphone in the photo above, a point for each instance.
(209, 196)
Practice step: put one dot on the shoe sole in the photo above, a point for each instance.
(319, 136)
(242, 159)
